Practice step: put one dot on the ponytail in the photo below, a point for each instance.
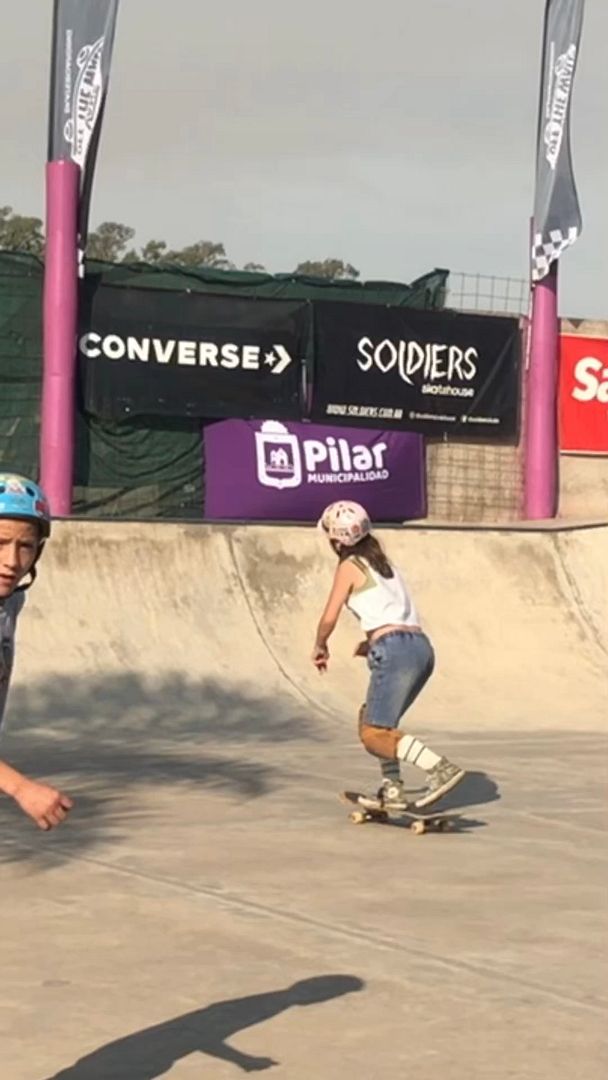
(370, 550)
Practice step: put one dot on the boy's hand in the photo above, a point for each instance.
(320, 656)
(44, 804)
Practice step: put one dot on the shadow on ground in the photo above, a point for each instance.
(476, 789)
(101, 739)
(152, 1052)
(125, 704)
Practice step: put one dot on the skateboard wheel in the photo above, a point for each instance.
(444, 826)
(357, 817)
(418, 828)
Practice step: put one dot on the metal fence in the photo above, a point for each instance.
(487, 294)
(469, 480)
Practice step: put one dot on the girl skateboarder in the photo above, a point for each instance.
(25, 525)
(399, 655)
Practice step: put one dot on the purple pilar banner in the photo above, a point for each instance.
(60, 313)
(541, 453)
(270, 471)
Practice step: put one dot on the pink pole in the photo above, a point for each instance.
(541, 449)
(59, 326)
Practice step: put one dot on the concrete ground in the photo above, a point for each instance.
(209, 910)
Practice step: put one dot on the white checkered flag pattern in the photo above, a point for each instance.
(546, 250)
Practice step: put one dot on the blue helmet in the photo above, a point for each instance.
(23, 499)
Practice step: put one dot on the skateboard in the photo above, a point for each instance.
(419, 821)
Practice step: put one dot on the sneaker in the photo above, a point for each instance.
(392, 793)
(440, 779)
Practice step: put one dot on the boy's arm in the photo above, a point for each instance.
(9, 779)
(44, 804)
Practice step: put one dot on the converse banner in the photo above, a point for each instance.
(290, 472)
(432, 372)
(83, 36)
(160, 352)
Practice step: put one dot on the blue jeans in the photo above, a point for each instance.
(400, 662)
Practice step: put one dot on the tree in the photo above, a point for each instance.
(153, 252)
(18, 233)
(335, 269)
(203, 253)
(109, 241)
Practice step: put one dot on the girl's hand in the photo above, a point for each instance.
(362, 649)
(320, 656)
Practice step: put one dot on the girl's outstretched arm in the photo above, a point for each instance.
(347, 577)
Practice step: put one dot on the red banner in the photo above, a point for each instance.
(583, 395)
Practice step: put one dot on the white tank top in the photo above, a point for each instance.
(381, 601)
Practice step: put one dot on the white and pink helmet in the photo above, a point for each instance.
(346, 522)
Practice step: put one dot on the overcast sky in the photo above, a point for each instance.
(394, 134)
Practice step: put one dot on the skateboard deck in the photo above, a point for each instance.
(419, 821)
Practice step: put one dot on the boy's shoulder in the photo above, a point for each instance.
(13, 604)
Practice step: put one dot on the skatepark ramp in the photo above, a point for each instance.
(518, 618)
(209, 882)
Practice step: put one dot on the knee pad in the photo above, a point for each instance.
(379, 741)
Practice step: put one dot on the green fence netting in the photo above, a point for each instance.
(20, 352)
(149, 467)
